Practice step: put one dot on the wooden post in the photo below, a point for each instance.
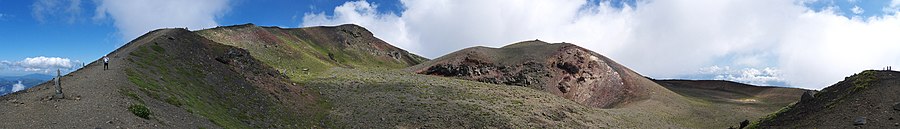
(59, 93)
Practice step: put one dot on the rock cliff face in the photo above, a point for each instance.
(563, 69)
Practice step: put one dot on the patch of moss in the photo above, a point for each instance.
(157, 48)
(140, 111)
(131, 95)
(174, 101)
(863, 79)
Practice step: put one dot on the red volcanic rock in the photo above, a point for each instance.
(563, 69)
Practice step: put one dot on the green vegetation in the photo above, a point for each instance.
(131, 95)
(860, 81)
(181, 82)
(157, 48)
(177, 84)
(770, 117)
(140, 111)
(174, 101)
(863, 79)
(297, 57)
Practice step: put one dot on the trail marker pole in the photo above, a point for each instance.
(59, 93)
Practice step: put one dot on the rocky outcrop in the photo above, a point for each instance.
(563, 69)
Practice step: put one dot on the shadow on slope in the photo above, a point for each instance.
(222, 83)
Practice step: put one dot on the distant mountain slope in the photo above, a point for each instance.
(868, 99)
(733, 92)
(7, 83)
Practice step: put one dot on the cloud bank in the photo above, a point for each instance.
(40, 64)
(765, 76)
(136, 17)
(663, 38)
(17, 87)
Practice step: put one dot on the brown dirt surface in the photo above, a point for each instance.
(871, 96)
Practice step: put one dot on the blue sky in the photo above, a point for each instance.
(767, 42)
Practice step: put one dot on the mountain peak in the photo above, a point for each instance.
(562, 69)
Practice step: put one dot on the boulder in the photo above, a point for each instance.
(744, 124)
(859, 121)
(897, 107)
(807, 96)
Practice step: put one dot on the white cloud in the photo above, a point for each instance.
(857, 10)
(46, 62)
(17, 87)
(663, 39)
(41, 10)
(384, 25)
(40, 64)
(764, 76)
(136, 17)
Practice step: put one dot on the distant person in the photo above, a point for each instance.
(105, 63)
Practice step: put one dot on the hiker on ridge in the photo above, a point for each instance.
(105, 63)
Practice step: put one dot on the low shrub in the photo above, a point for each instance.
(140, 111)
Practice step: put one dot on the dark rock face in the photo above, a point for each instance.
(521, 75)
(807, 96)
(231, 56)
(744, 124)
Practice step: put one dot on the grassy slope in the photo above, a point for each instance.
(396, 98)
(375, 95)
(181, 72)
(293, 50)
(399, 99)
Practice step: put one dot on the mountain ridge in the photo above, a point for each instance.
(248, 76)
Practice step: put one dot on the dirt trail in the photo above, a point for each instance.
(93, 100)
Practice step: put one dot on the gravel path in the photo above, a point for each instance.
(93, 100)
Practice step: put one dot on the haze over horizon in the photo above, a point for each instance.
(798, 43)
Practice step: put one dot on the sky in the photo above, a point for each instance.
(795, 43)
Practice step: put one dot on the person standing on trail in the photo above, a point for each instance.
(105, 63)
